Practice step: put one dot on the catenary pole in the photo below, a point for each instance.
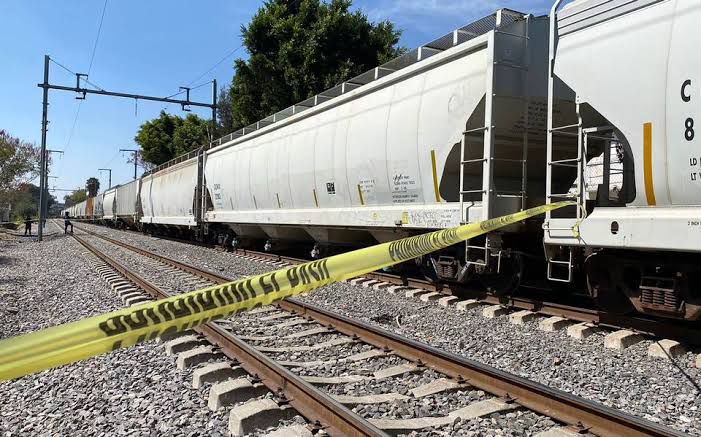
(214, 109)
(110, 179)
(43, 164)
(45, 200)
(46, 86)
(136, 158)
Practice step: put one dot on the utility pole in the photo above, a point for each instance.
(46, 184)
(46, 86)
(44, 127)
(109, 170)
(44, 193)
(214, 110)
(136, 157)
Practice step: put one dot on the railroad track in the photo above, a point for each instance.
(358, 342)
(684, 332)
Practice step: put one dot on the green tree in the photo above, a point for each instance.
(24, 201)
(76, 196)
(169, 136)
(19, 162)
(299, 48)
(92, 185)
(156, 138)
(225, 115)
(191, 134)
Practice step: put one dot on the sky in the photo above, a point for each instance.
(151, 48)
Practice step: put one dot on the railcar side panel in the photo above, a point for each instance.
(127, 200)
(98, 206)
(89, 207)
(363, 162)
(167, 197)
(108, 204)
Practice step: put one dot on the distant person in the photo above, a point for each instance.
(28, 225)
(67, 223)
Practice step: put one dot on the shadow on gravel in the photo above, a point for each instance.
(15, 281)
(683, 371)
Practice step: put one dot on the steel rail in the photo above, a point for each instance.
(308, 400)
(581, 414)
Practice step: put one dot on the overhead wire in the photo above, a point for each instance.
(218, 63)
(227, 56)
(191, 89)
(97, 87)
(92, 59)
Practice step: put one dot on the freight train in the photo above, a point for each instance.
(595, 104)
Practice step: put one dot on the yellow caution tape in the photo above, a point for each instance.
(86, 338)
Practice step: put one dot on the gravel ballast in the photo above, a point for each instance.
(136, 391)
(662, 391)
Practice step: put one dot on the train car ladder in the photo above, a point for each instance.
(576, 194)
(488, 191)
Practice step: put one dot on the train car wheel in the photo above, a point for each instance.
(507, 281)
(425, 266)
(606, 285)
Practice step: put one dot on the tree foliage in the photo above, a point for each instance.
(19, 162)
(168, 136)
(191, 134)
(92, 185)
(299, 48)
(23, 201)
(225, 114)
(156, 138)
(76, 196)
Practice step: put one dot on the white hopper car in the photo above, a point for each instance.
(636, 81)
(595, 105)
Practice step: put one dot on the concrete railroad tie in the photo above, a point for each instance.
(472, 411)
(521, 317)
(294, 322)
(394, 289)
(357, 357)
(295, 430)
(389, 372)
(561, 431)
(300, 334)
(216, 372)
(552, 324)
(622, 339)
(494, 311)
(232, 391)
(465, 305)
(414, 292)
(181, 344)
(380, 286)
(258, 414)
(323, 345)
(581, 331)
(281, 315)
(195, 356)
(441, 385)
(447, 301)
(666, 349)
